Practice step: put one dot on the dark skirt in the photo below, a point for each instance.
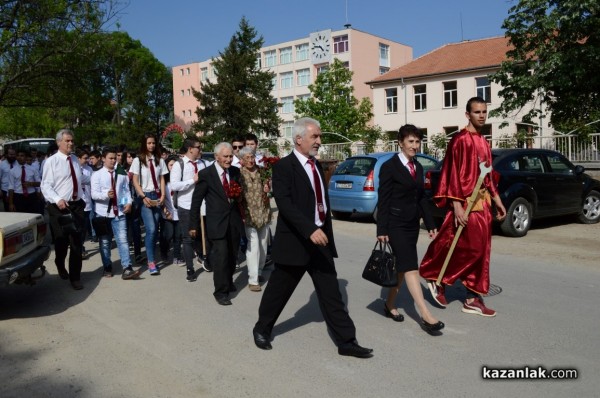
(403, 240)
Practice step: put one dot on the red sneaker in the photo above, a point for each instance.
(478, 308)
(438, 293)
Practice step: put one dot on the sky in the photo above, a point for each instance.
(183, 31)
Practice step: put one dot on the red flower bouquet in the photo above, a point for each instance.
(266, 171)
(235, 191)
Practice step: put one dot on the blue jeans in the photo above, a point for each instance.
(119, 227)
(151, 217)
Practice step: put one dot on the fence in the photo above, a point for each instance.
(575, 148)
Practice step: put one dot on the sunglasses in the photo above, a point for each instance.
(237, 146)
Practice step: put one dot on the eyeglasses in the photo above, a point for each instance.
(237, 146)
(196, 147)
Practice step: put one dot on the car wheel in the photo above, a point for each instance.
(518, 218)
(590, 211)
(340, 215)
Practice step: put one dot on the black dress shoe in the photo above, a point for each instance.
(388, 313)
(224, 301)
(77, 285)
(262, 341)
(432, 328)
(352, 349)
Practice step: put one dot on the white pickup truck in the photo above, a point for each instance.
(22, 248)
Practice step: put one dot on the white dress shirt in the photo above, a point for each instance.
(308, 168)
(14, 179)
(169, 203)
(56, 178)
(86, 170)
(185, 185)
(101, 184)
(6, 167)
(146, 177)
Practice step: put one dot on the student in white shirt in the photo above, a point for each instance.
(112, 200)
(170, 233)
(23, 183)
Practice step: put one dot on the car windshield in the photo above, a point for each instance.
(358, 166)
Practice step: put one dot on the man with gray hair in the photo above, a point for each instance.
(219, 185)
(61, 185)
(304, 243)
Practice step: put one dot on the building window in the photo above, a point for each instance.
(287, 105)
(189, 112)
(340, 44)
(484, 89)
(384, 55)
(450, 95)
(322, 68)
(187, 71)
(302, 52)
(189, 92)
(274, 83)
(287, 129)
(286, 79)
(204, 74)
(270, 58)
(258, 60)
(303, 97)
(183, 112)
(383, 70)
(213, 71)
(285, 55)
(420, 97)
(182, 93)
(181, 72)
(391, 100)
(303, 77)
(450, 130)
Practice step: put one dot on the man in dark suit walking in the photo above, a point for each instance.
(304, 243)
(217, 184)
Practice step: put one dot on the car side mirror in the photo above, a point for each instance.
(579, 169)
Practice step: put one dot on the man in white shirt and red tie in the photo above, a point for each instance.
(304, 243)
(112, 201)
(61, 186)
(22, 184)
(6, 166)
(183, 184)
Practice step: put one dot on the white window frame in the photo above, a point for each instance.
(303, 77)
(286, 80)
(285, 55)
(270, 58)
(302, 52)
(450, 94)
(287, 129)
(204, 74)
(340, 44)
(391, 100)
(384, 55)
(259, 60)
(420, 99)
(287, 105)
(484, 90)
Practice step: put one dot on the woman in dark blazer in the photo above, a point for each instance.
(400, 208)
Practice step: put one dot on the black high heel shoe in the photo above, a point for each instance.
(388, 314)
(431, 328)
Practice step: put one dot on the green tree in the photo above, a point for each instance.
(240, 99)
(333, 104)
(554, 59)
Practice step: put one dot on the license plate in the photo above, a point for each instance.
(343, 185)
(27, 237)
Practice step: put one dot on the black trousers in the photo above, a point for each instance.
(62, 242)
(223, 257)
(283, 282)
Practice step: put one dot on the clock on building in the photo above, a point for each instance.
(320, 46)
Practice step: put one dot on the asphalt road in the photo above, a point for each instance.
(164, 337)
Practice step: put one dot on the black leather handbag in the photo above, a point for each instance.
(68, 224)
(381, 266)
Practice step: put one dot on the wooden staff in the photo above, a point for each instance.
(483, 172)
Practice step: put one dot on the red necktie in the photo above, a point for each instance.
(318, 193)
(411, 167)
(25, 193)
(114, 199)
(73, 178)
(225, 183)
(156, 189)
(195, 167)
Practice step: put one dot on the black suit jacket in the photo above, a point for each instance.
(295, 200)
(221, 212)
(401, 198)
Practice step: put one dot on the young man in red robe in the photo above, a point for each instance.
(470, 261)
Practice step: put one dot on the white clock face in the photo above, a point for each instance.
(320, 46)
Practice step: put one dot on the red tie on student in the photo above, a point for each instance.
(195, 167)
(73, 178)
(225, 183)
(318, 192)
(156, 189)
(411, 167)
(23, 175)
(114, 199)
